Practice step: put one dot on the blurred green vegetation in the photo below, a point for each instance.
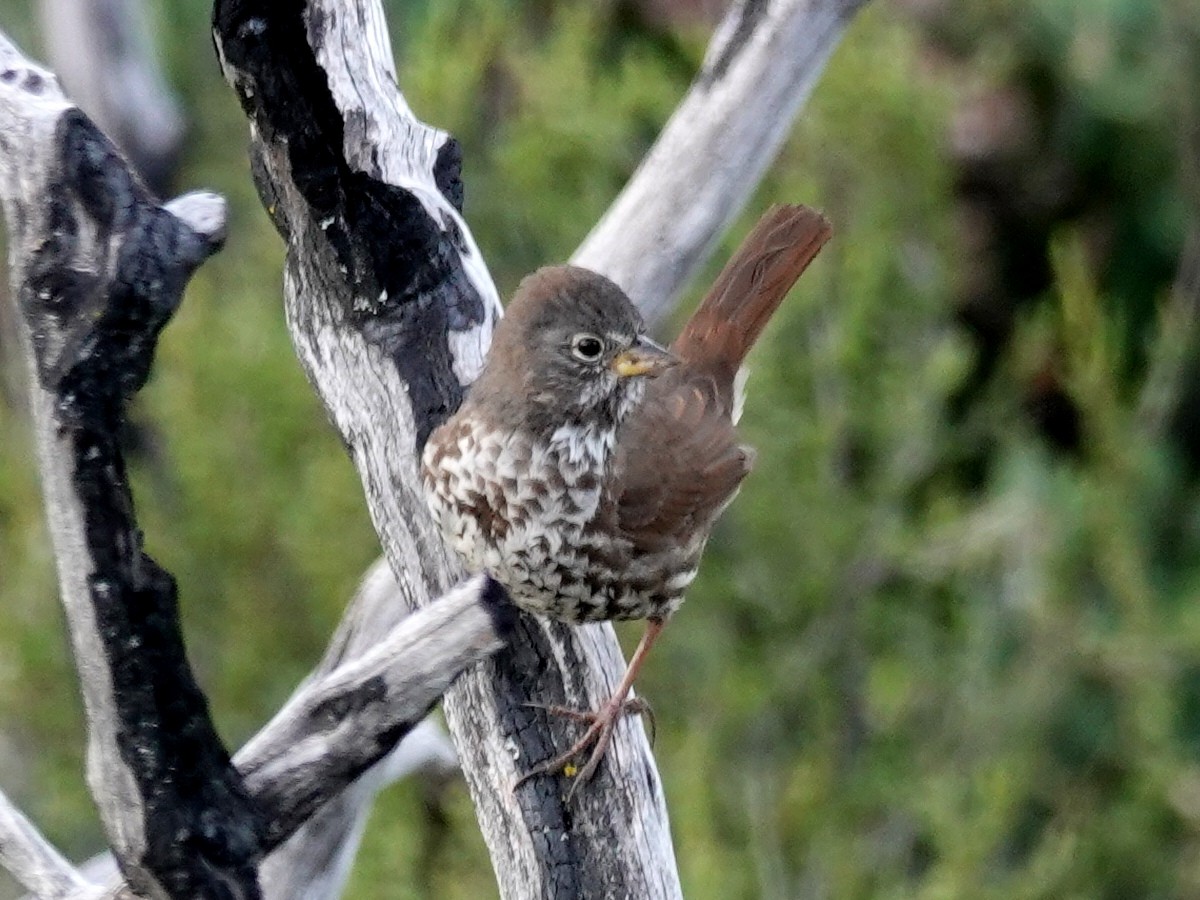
(934, 651)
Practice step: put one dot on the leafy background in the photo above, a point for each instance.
(947, 642)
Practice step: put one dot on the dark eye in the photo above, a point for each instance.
(587, 347)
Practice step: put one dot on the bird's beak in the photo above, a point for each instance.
(644, 358)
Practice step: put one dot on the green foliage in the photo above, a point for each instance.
(927, 657)
(543, 113)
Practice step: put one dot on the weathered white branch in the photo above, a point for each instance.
(315, 862)
(303, 768)
(105, 58)
(97, 269)
(337, 726)
(30, 858)
(391, 308)
(298, 761)
(761, 66)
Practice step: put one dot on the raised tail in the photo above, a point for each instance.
(750, 288)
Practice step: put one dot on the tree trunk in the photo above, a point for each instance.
(391, 310)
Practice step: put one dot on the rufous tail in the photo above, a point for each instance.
(750, 288)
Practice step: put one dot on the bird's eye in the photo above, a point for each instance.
(587, 347)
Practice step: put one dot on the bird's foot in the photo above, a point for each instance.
(598, 736)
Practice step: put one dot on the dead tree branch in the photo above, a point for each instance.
(337, 726)
(35, 863)
(760, 68)
(312, 769)
(315, 862)
(391, 309)
(105, 59)
(98, 269)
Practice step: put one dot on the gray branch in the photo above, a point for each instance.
(391, 309)
(35, 863)
(312, 770)
(760, 68)
(97, 270)
(338, 726)
(104, 55)
(315, 862)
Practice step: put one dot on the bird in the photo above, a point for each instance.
(587, 464)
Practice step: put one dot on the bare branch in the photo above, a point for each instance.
(761, 66)
(316, 861)
(31, 859)
(391, 309)
(97, 271)
(303, 768)
(103, 54)
(337, 726)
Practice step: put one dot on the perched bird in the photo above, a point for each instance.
(587, 464)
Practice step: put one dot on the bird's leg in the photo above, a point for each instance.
(601, 722)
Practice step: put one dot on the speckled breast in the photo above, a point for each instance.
(528, 513)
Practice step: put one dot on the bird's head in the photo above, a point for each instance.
(571, 347)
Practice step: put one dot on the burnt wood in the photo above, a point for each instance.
(391, 315)
(98, 269)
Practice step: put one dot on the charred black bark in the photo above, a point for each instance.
(105, 273)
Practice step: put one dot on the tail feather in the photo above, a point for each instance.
(750, 288)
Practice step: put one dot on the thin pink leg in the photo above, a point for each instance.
(601, 722)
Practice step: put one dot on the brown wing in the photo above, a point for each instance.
(679, 462)
(679, 457)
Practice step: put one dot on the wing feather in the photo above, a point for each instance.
(678, 457)
(693, 471)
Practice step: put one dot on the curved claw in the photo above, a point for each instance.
(640, 706)
(602, 722)
(599, 733)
